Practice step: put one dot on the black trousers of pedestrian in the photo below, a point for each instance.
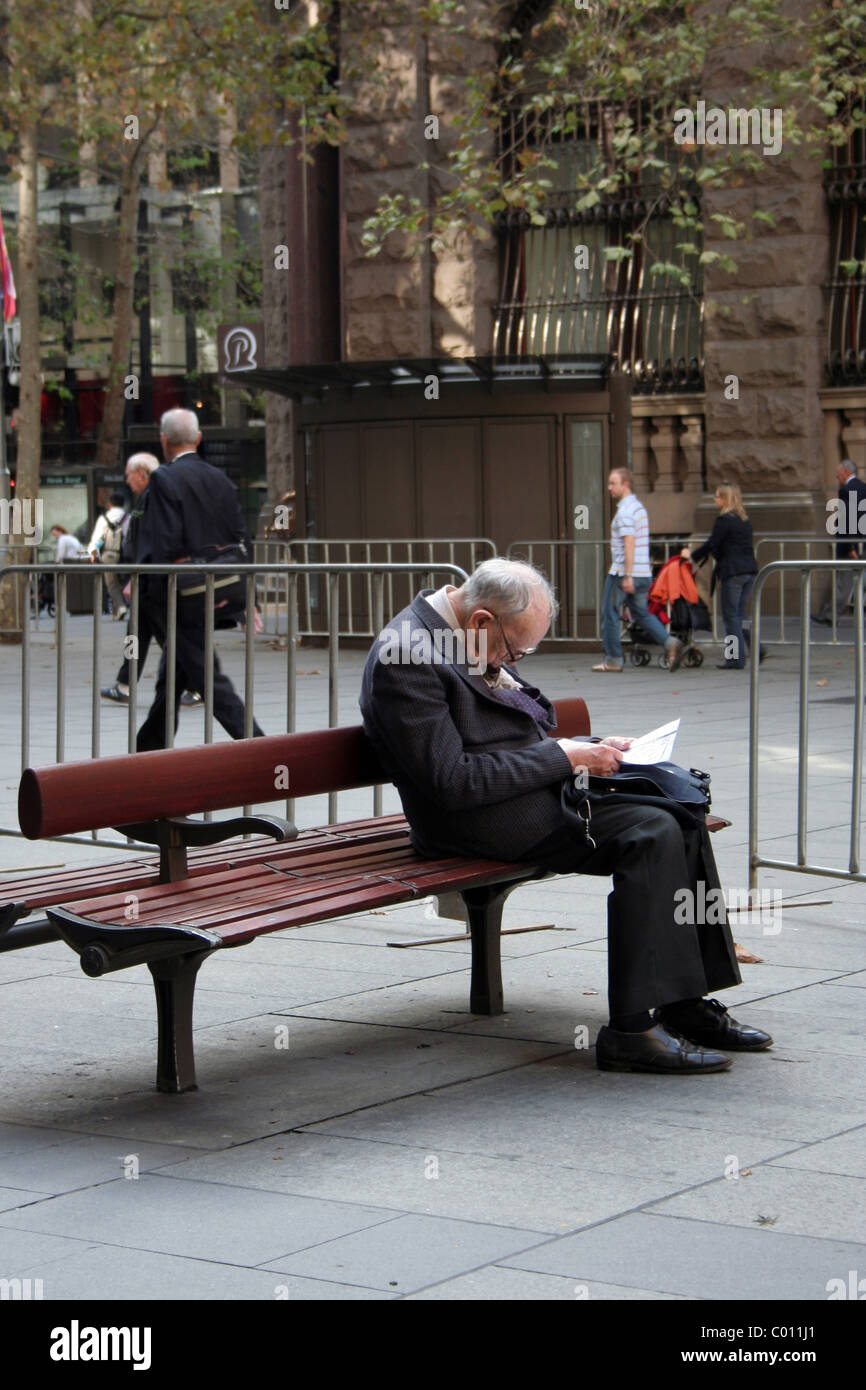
(228, 707)
(652, 959)
(145, 636)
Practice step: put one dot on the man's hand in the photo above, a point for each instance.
(258, 625)
(616, 742)
(599, 759)
(626, 583)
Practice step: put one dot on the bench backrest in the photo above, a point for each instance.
(103, 792)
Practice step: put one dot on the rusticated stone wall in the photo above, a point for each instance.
(778, 434)
(402, 303)
(765, 325)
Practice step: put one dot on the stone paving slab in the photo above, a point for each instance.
(110, 1272)
(845, 1153)
(700, 1259)
(800, 1203)
(547, 995)
(555, 1181)
(434, 1182)
(205, 1220)
(495, 1283)
(550, 1108)
(249, 1087)
(120, 1002)
(407, 1253)
(74, 1161)
(12, 1197)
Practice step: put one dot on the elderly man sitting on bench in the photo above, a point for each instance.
(466, 742)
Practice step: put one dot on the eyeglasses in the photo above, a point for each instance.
(513, 656)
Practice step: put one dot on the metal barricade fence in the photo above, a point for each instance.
(578, 569)
(804, 570)
(357, 606)
(785, 545)
(331, 574)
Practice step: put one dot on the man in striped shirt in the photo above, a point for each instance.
(630, 575)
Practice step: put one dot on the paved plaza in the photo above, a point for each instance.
(399, 1147)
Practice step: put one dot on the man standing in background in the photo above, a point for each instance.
(191, 512)
(849, 519)
(630, 575)
(139, 467)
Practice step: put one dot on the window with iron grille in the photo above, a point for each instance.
(846, 311)
(548, 303)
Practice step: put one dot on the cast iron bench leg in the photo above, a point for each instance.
(484, 909)
(174, 982)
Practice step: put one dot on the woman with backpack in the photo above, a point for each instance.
(105, 545)
(730, 544)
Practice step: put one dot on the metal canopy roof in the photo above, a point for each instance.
(552, 371)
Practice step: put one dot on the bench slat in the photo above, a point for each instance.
(53, 885)
(136, 787)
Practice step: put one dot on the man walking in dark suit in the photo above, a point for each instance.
(191, 510)
(850, 524)
(466, 743)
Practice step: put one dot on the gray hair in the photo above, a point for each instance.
(848, 465)
(179, 426)
(146, 463)
(507, 587)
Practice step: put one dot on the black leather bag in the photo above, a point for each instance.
(229, 590)
(685, 794)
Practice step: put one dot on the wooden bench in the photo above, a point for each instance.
(200, 895)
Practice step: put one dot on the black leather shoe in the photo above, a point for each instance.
(709, 1024)
(657, 1050)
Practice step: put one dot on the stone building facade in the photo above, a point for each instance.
(779, 433)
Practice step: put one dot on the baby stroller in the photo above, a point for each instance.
(674, 585)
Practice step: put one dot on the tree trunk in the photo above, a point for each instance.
(29, 432)
(124, 294)
(275, 315)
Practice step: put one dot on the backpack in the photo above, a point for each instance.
(113, 541)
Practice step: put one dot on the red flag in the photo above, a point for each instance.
(10, 302)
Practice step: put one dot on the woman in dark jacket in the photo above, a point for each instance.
(730, 544)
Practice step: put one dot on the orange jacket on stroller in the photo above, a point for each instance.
(675, 581)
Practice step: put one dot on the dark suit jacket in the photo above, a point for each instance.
(475, 776)
(189, 506)
(730, 543)
(851, 512)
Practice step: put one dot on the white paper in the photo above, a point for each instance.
(654, 747)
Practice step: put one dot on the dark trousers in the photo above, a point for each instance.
(736, 592)
(652, 959)
(145, 636)
(228, 707)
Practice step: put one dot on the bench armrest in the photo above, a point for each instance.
(200, 832)
(105, 947)
(176, 834)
